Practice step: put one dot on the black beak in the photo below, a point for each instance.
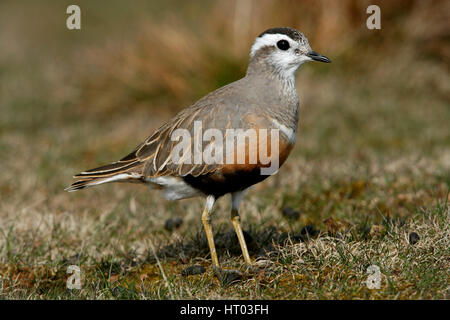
(318, 57)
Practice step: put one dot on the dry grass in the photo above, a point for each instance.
(371, 163)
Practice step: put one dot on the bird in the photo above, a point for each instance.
(264, 100)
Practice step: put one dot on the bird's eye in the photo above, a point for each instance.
(283, 45)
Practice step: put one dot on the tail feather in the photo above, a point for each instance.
(108, 170)
(81, 184)
(117, 171)
(90, 182)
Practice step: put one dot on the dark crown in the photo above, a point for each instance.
(291, 33)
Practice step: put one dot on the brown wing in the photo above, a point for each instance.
(157, 152)
(154, 157)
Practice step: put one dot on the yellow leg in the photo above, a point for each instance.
(206, 219)
(236, 221)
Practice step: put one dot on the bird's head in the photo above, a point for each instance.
(283, 50)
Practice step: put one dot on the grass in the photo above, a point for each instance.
(371, 163)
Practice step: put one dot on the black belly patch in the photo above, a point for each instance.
(219, 184)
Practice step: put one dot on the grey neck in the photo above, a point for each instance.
(277, 89)
(260, 66)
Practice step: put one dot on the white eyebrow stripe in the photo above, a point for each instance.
(268, 40)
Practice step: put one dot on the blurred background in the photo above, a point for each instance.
(374, 136)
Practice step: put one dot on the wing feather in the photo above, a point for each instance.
(153, 157)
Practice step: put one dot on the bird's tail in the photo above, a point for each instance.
(115, 172)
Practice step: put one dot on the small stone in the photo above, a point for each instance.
(297, 238)
(173, 223)
(413, 238)
(290, 213)
(193, 270)
(283, 237)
